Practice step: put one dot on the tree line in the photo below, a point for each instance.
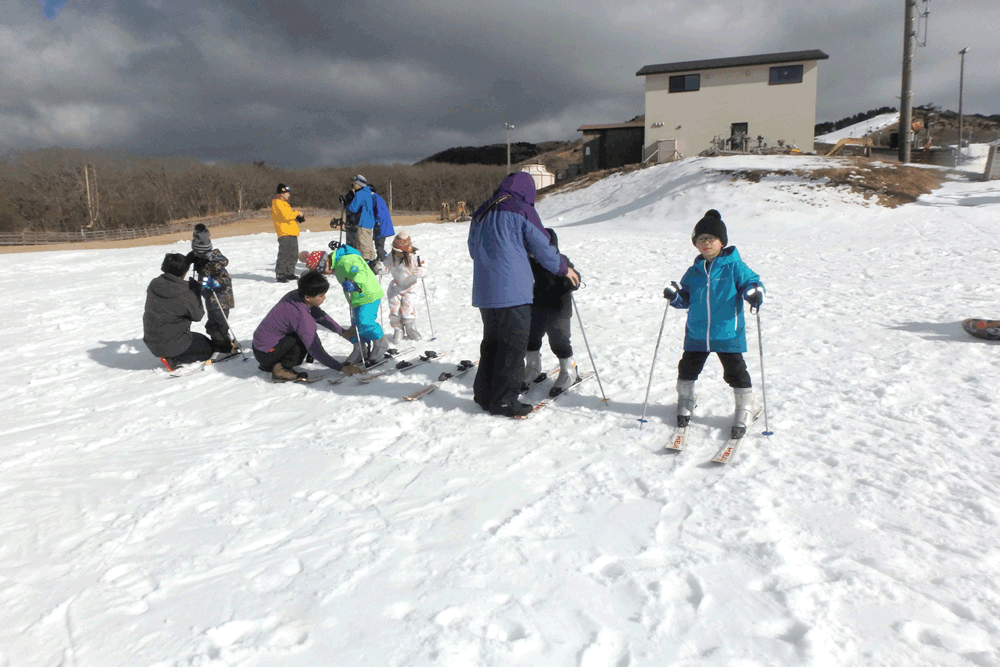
(47, 190)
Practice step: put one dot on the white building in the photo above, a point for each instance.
(771, 95)
(543, 177)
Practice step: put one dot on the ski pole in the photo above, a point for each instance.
(427, 301)
(642, 419)
(228, 325)
(589, 353)
(763, 386)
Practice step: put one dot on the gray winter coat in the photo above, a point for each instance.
(171, 307)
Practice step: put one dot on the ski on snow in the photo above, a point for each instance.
(405, 365)
(463, 367)
(548, 399)
(391, 354)
(188, 369)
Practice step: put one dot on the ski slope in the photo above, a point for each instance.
(221, 520)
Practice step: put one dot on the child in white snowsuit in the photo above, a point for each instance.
(713, 291)
(216, 288)
(406, 270)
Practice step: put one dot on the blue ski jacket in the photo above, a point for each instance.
(713, 292)
(503, 232)
(362, 205)
(382, 216)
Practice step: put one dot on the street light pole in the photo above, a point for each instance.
(961, 78)
(508, 127)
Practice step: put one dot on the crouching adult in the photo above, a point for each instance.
(172, 304)
(288, 332)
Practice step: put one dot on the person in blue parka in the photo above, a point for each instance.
(713, 291)
(504, 231)
(362, 205)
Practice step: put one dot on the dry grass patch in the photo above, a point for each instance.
(894, 184)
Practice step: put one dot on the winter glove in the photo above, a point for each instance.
(351, 369)
(671, 291)
(300, 218)
(754, 296)
(350, 286)
(343, 200)
(210, 284)
(194, 286)
(348, 334)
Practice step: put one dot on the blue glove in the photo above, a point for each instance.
(754, 296)
(350, 286)
(210, 284)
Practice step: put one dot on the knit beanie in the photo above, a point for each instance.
(711, 223)
(314, 261)
(403, 243)
(202, 241)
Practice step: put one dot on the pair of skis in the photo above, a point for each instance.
(678, 442)
(548, 400)
(391, 354)
(405, 365)
(462, 368)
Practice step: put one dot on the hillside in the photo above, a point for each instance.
(219, 519)
(496, 154)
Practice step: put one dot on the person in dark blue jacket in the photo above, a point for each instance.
(504, 231)
(713, 291)
(383, 224)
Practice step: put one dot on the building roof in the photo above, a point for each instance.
(741, 61)
(612, 126)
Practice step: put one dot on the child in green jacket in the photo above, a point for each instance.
(363, 294)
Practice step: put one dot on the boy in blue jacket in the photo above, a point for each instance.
(713, 291)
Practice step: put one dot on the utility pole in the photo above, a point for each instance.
(961, 79)
(508, 128)
(906, 94)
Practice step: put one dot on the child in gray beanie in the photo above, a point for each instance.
(216, 288)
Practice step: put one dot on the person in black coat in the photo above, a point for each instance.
(551, 312)
(172, 304)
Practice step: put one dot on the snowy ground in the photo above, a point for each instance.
(219, 519)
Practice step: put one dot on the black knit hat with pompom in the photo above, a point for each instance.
(711, 223)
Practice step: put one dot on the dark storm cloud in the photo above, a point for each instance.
(300, 83)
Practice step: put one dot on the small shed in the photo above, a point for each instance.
(543, 177)
(612, 145)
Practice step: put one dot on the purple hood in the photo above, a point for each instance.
(516, 194)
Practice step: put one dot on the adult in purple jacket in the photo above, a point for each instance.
(504, 231)
(288, 332)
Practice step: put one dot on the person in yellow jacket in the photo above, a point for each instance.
(286, 224)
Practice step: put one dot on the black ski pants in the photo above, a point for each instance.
(200, 349)
(289, 352)
(734, 369)
(501, 357)
(556, 326)
(215, 324)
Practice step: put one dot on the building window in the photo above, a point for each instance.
(685, 83)
(785, 74)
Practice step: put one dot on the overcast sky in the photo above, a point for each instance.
(300, 83)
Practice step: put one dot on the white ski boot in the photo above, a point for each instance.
(532, 366)
(354, 358)
(746, 411)
(568, 376)
(411, 330)
(686, 400)
(398, 335)
(379, 348)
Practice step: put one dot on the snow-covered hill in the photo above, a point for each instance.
(219, 519)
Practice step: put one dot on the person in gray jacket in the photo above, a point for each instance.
(172, 304)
